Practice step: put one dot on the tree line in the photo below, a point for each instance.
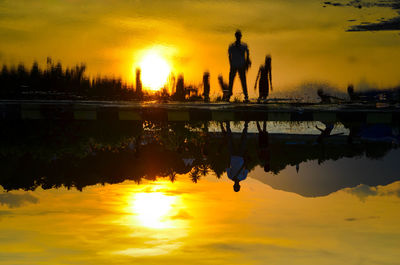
(57, 82)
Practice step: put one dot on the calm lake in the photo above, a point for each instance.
(164, 193)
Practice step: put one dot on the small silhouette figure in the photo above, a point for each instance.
(264, 77)
(239, 62)
(325, 133)
(375, 95)
(224, 87)
(325, 97)
(353, 96)
(139, 92)
(263, 145)
(237, 170)
(180, 89)
(206, 86)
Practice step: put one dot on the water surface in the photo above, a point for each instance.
(159, 193)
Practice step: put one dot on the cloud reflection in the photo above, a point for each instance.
(16, 200)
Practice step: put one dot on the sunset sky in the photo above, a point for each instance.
(308, 40)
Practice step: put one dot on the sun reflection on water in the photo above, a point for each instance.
(152, 209)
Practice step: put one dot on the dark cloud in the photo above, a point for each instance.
(394, 192)
(394, 4)
(4, 213)
(227, 247)
(352, 59)
(391, 24)
(16, 200)
(333, 3)
(352, 219)
(255, 247)
(183, 215)
(382, 24)
(363, 191)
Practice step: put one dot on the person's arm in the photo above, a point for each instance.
(230, 55)
(248, 62)
(222, 129)
(258, 127)
(270, 76)
(258, 75)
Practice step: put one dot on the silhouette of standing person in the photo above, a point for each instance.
(237, 169)
(327, 132)
(265, 79)
(239, 62)
(139, 91)
(206, 86)
(353, 96)
(263, 145)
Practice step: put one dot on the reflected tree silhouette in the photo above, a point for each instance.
(77, 154)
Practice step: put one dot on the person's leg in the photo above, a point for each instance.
(232, 74)
(222, 128)
(230, 140)
(261, 90)
(243, 139)
(242, 76)
(264, 126)
(258, 126)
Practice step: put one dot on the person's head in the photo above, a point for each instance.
(320, 92)
(238, 35)
(236, 186)
(268, 59)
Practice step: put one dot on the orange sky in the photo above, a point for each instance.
(308, 42)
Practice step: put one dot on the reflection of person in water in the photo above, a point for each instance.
(325, 133)
(265, 76)
(263, 145)
(239, 62)
(237, 169)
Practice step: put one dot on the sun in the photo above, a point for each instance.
(155, 70)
